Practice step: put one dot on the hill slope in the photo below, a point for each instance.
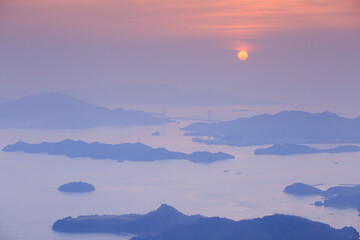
(59, 111)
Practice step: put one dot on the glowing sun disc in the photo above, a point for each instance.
(243, 55)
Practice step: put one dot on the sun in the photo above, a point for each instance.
(243, 55)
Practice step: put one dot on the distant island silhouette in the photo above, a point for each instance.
(293, 149)
(286, 127)
(60, 111)
(76, 187)
(302, 189)
(336, 197)
(119, 152)
(167, 223)
(155, 222)
(156, 134)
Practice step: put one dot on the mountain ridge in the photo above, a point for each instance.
(167, 223)
(60, 111)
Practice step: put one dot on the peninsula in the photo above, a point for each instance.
(337, 197)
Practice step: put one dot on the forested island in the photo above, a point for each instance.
(286, 127)
(167, 223)
(119, 152)
(76, 187)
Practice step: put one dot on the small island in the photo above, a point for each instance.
(166, 223)
(156, 134)
(336, 197)
(76, 187)
(295, 149)
(136, 152)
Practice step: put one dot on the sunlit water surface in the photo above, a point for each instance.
(248, 186)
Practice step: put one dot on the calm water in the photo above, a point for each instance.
(253, 187)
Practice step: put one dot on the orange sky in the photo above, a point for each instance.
(296, 47)
(235, 21)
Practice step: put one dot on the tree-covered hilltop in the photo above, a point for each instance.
(155, 222)
(279, 227)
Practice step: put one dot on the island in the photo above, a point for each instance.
(167, 223)
(302, 189)
(76, 187)
(156, 134)
(297, 149)
(60, 111)
(286, 127)
(347, 196)
(120, 152)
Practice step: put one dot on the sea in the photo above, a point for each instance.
(246, 187)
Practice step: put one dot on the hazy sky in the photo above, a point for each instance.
(299, 51)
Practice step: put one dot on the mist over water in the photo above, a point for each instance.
(117, 72)
(248, 186)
